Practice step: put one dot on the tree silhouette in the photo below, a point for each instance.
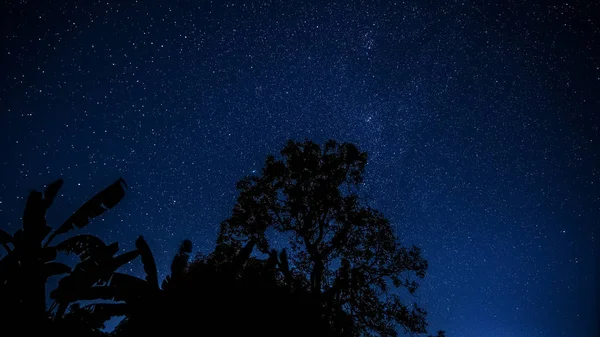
(30, 261)
(346, 250)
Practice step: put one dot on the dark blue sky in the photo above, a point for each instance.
(481, 121)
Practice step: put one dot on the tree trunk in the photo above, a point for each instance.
(317, 275)
(32, 289)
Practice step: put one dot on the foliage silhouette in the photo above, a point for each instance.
(346, 250)
(302, 254)
(141, 300)
(240, 296)
(30, 261)
(89, 278)
(80, 321)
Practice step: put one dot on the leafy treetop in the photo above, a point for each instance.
(346, 250)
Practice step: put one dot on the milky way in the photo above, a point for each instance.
(480, 120)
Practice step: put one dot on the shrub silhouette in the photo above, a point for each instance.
(240, 296)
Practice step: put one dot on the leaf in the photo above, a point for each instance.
(244, 254)
(124, 258)
(111, 249)
(121, 287)
(55, 268)
(185, 247)
(66, 286)
(62, 308)
(94, 207)
(5, 237)
(166, 282)
(18, 237)
(84, 245)
(34, 214)
(180, 260)
(107, 293)
(47, 254)
(147, 261)
(128, 282)
(105, 311)
(94, 315)
(8, 265)
(51, 192)
(44, 231)
(97, 269)
(133, 288)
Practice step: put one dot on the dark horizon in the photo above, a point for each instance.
(481, 124)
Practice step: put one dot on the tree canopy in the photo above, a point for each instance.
(348, 253)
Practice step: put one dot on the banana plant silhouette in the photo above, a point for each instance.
(30, 258)
(138, 297)
(142, 301)
(97, 266)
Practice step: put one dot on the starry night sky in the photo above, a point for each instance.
(480, 119)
